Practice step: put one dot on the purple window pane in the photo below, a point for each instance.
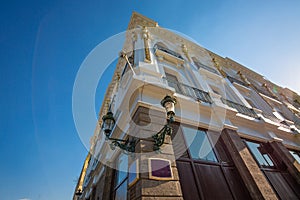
(161, 168)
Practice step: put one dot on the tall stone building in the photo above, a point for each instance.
(181, 122)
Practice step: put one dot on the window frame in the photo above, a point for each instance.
(174, 81)
(189, 155)
(263, 167)
(116, 183)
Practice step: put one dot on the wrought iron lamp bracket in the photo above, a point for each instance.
(168, 103)
(159, 137)
(126, 145)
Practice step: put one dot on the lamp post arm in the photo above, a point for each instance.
(128, 146)
(159, 137)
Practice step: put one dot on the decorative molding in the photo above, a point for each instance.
(146, 45)
(185, 51)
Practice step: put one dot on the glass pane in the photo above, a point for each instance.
(132, 172)
(173, 82)
(263, 160)
(296, 156)
(268, 159)
(198, 144)
(122, 167)
(175, 86)
(121, 192)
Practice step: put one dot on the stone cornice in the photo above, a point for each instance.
(238, 67)
(140, 20)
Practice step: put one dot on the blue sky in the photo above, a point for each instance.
(43, 43)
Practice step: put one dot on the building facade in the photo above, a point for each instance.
(235, 134)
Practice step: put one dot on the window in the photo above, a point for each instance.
(173, 82)
(201, 65)
(120, 189)
(275, 172)
(296, 155)
(160, 46)
(259, 154)
(121, 192)
(133, 172)
(198, 144)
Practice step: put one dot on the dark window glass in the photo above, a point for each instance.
(263, 159)
(198, 144)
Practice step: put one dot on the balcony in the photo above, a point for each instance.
(234, 80)
(168, 54)
(240, 108)
(195, 93)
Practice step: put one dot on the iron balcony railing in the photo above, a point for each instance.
(264, 91)
(296, 121)
(282, 123)
(200, 65)
(296, 103)
(189, 91)
(173, 53)
(231, 79)
(240, 108)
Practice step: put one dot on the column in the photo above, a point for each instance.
(148, 187)
(255, 181)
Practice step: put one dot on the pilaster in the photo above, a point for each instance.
(254, 179)
(147, 187)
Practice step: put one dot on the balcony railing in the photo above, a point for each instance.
(296, 103)
(200, 65)
(240, 108)
(264, 91)
(166, 50)
(189, 91)
(282, 123)
(231, 79)
(296, 120)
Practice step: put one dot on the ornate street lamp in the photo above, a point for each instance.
(169, 104)
(109, 122)
(107, 126)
